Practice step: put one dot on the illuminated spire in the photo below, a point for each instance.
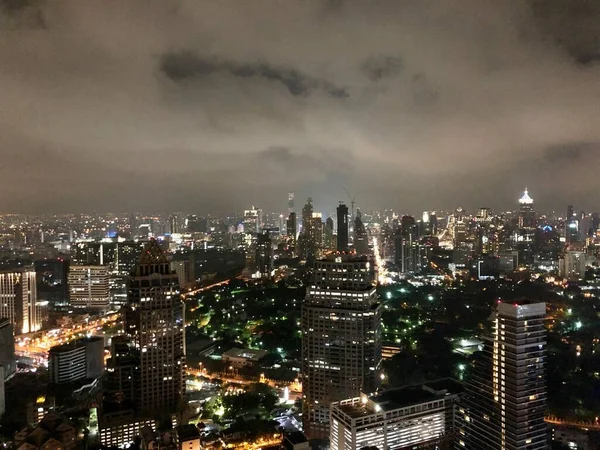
(526, 199)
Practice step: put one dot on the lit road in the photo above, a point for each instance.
(36, 345)
(206, 288)
(382, 273)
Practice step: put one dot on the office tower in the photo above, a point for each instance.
(7, 348)
(434, 223)
(526, 217)
(291, 203)
(342, 228)
(76, 360)
(252, 220)
(571, 225)
(329, 240)
(526, 231)
(316, 234)
(281, 224)
(264, 255)
(341, 337)
(291, 228)
(505, 397)
(361, 242)
(191, 223)
(89, 287)
(174, 225)
(18, 299)
(154, 323)
(404, 418)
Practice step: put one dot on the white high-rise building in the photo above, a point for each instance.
(89, 287)
(18, 299)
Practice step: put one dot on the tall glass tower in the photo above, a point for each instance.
(341, 337)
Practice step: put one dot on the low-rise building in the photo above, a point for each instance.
(52, 433)
(240, 357)
(187, 437)
(403, 418)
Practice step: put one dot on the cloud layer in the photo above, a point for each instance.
(213, 106)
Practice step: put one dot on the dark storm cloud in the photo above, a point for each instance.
(217, 105)
(184, 65)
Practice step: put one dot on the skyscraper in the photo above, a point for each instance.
(361, 242)
(7, 348)
(146, 369)
(505, 397)
(18, 299)
(154, 323)
(526, 232)
(264, 255)
(291, 227)
(291, 202)
(341, 337)
(342, 228)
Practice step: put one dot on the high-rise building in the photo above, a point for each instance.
(174, 225)
(7, 348)
(342, 228)
(341, 337)
(76, 360)
(252, 220)
(264, 255)
(406, 418)
(18, 299)
(145, 376)
(361, 242)
(89, 287)
(505, 397)
(571, 225)
(329, 238)
(526, 231)
(154, 323)
(291, 203)
(291, 227)
(2, 395)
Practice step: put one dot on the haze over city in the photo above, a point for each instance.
(209, 106)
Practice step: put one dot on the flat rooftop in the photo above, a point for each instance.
(404, 396)
(72, 345)
(245, 353)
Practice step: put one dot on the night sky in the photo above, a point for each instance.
(211, 106)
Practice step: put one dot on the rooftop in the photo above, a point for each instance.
(187, 432)
(246, 353)
(404, 396)
(72, 345)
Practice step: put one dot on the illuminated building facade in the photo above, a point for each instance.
(405, 418)
(76, 360)
(145, 374)
(154, 323)
(264, 255)
(89, 287)
(505, 397)
(18, 300)
(341, 337)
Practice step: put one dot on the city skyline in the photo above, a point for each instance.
(432, 103)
